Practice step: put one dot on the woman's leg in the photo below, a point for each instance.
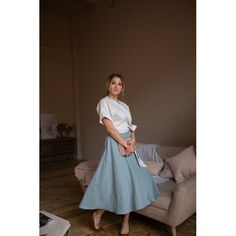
(97, 217)
(125, 224)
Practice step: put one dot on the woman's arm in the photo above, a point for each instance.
(131, 142)
(114, 132)
(133, 139)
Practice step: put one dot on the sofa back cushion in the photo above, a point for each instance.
(168, 151)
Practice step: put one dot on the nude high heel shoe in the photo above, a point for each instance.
(93, 225)
(123, 234)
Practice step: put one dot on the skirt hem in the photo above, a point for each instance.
(120, 212)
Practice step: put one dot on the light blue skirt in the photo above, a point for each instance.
(119, 184)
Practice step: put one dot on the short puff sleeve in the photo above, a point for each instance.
(103, 111)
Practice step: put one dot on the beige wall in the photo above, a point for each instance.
(56, 73)
(152, 43)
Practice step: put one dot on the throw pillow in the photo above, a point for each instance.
(183, 164)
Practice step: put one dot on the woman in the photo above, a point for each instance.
(119, 184)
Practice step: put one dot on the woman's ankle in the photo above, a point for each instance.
(125, 227)
(99, 212)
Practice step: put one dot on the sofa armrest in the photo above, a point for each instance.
(84, 172)
(183, 203)
(83, 187)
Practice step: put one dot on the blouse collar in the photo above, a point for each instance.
(115, 101)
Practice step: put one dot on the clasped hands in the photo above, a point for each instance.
(130, 147)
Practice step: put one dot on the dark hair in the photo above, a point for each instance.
(109, 79)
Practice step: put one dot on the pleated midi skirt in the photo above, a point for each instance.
(119, 184)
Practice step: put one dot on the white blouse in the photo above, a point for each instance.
(116, 111)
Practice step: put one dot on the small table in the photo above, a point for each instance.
(55, 149)
(57, 227)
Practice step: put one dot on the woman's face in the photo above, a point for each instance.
(115, 86)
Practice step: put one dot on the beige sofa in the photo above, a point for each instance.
(176, 203)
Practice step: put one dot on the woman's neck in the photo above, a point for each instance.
(115, 98)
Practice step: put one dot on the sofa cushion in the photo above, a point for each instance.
(183, 165)
(166, 189)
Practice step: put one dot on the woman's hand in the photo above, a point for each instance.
(130, 147)
(132, 143)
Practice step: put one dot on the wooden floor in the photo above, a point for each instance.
(60, 194)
